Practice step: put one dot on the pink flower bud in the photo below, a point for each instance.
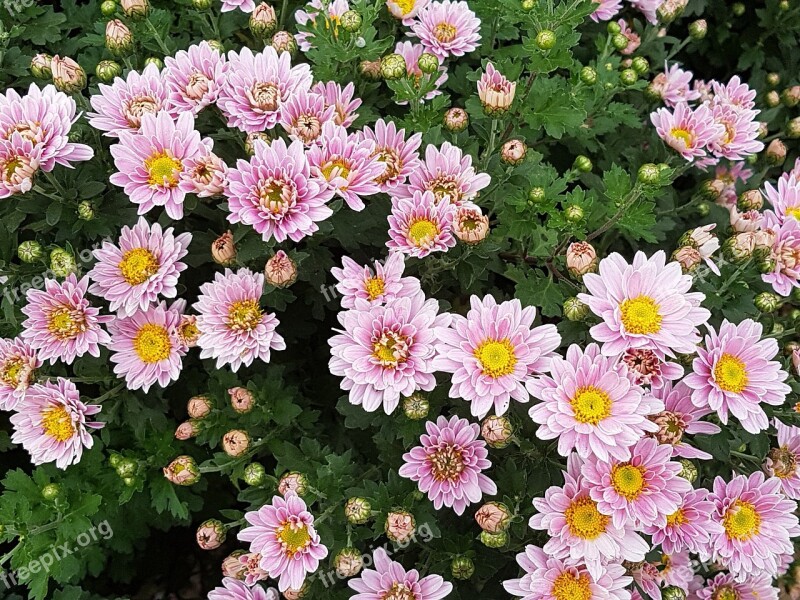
(186, 430)
(764, 240)
(493, 517)
(469, 225)
(242, 399)
(293, 482)
(235, 442)
(776, 152)
(283, 41)
(199, 406)
(223, 250)
(745, 221)
(253, 138)
(252, 568)
(182, 471)
(40, 66)
(581, 259)
(497, 431)
(188, 332)
(119, 38)
(263, 20)
(349, 562)
(688, 257)
(280, 270)
(232, 566)
(68, 76)
(514, 152)
(456, 120)
(211, 534)
(296, 594)
(135, 9)
(400, 526)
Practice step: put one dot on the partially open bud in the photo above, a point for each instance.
(296, 593)
(357, 511)
(712, 189)
(456, 120)
(470, 225)
(119, 39)
(199, 406)
(233, 567)
(30, 251)
(188, 332)
(772, 99)
(497, 431)
(416, 406)
(235, 442)
(514, 152)
(280, 270)
(62, 263)
(575, 310)
(263, 21)
(698, 29)
(349, 562)
(494, 540)
(370, 69)
(254, 474)
(751, 200)
(400, 526)
(776, 152)
(739, 247)
(581, 259)
(182, 471)
(135, 9)
(223, 250)
(211, 534)
(493, 517)
(40, 66)
(293, 482)
(393, 66)
(68, 76)
(283, 41)
(187, 430)
(242, 399)
(763, 242)
(793, 128)
(462, 567)
(253, 138)
(688, 257)
(791, 96)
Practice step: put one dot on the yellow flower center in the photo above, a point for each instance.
(244, 315)
(784, 462)
(189, 330)
(445, 32)
(152, 344)
(591, 405)
(57, 423)
(793, 212)
(138, 265)
(422, 231)
(405, 6)
(338, 167)
(293, 537)
(628, 480)
(446, 464)
(742, 521)
(641, 315)
(571, 587)
(584, 520)
(163, 169)
(390, 350)
(677, 518)
(683, 135)
(374, 286)
(497, 357)
(399, 591)
(393, 163)
(731, 373)
(12, 369)
(725, 592)
(64, 324)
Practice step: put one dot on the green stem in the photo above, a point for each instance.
(734, 276)
(490, 146)
(284, 8)
(157, 38)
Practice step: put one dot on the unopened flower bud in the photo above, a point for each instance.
(494, 540)
(537, 195)
(514, 152)
(790, 348)
(784, 5)
(202, 4)
(581, 259)
(773, 79)
(497, 431)
(416, 406)
(456, 120)
(127, 467)
(216, 45)
(51, 491)
(62, 263)
(739, 247)
(263, 21)
(688, 257)
(182, 471)
(528, 5)
(30, 251)
(588, 76)
(767, 265)
(351, 21)
(393, 66)
(211, 534)
(232, 566)
(280, 270)
(793, 128)
(254, 474)
(370, 69)
(575, 310)
(613, 28)
(296, 593)
(689, 470)
(763, 242)
(108, 8)
(400, 526)
(428, 63)
(154, 60)
(546, 39)
(349, 562)
(135, 9)
(493, 517)
(573, 213)
(293, 482)
(772, 99)
(68, 76)
(357, 511)
(767, 302)
(283, 41)
(86, 210)
(223, 250)
(242, 399)
(640, 65)
(649, 174)
(199, 406)
(711, 189)
(583, 163)
(462, 567)
(750, 200)
(187, 430)
(107, 70)
(673, 592)
(40, 66)
(628, 77)
(776, 152)
(235, 442)
(698, 29)
(619, 41)
(791, 96)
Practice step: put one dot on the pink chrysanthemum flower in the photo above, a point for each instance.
(233, 327)
(677, 570)
(673, 86)
(704, 90)
(783, 461)
(411, 53)
(386, 351)
(734, 93)
(347, 164)
(389, 580)
(193, 78)
(283, 533)
(646, 304)
(360, 285)
(724, 586)
(649, 8)
(548, 578)
(578, 530)
(590, 405)
(307, 18)
(406, 10)
(643, 490)
(399, 156)
(734, 373)
(447, 172)
(634, 41)
(492, 351)
(303, 115)
(606, 10)
(45, 117)
(646, 367)
(51, 424)
(247, 6)
(689, 527)
(146, 348)
(786, 252)
(449, 464)
(61, 323)
(785, 199)
(447, 28)
(20, 159)
(276, 194)
(740, 135)
(648, 578)
(144, 265)
(18, 364)
(205, 175)
(122, 105)
(233, 589)
(680, 417)
(421, 225)
(689, 132)
(341, 99)
(256, 86)
(758, 523)
(151, 162)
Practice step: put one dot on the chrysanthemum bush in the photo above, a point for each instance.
(404, 300)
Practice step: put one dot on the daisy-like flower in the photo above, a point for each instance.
(52, 423)
(283, 533)
(783, 461)
(578, 530)
(399, 156)
(495, 90)
(146, 348)
(341, 99)
(673, 86)
(590, 405)
(734, 373)
(233, 589)
(347, 164)
(643, 490)
(361, 284)
(331, 10)
(447, 172)
(304, 114)
(689, 527)
(205, 175)
(193, 78)
(406, 10)
(786, 252)
(151, 162)
(256, 86)
(758, 523)
(386, 351)
(740, 134)
(61, 323)
(247, 6)
(447, 28)
(18, 364)
(45, 117)
(724, 586)
(492, 351)
(411, 53)
(689, 132)
(276, 194)
(144, 264)
(449, 464)
(679, 417)
(548, 578)
(734, 93)
(644, 305)
(785, 199)
(234, 329)
(20, 159)
(389, 581)
(122, 105)
(421, 225)
(649, 8)
(606, 10)
(646, 367)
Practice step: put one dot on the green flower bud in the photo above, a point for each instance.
(357, 511)
(767, 302)
(30, 251)
(107, 70)
(254, 474)
(537, 195)
(772, 99)
(416, 406)
(114, 459)
(588, 75)
(640, 65)
(703, 209)
(689, 471)
(108, 8)
(85, 210)
(546, 39)
(351, 21)
(528, 4)
(40, 66)
(494, 540)
(583, 163)
(62, 263)
(766, 265)
(154, 60)
(773, 79)
(619, 41)
(698, 29)
(202, 4)
(293, 481)
(129, 481)
(795, 295)
(51, 491)
(216, 45)
(784, 5)
(127, 467)
(628, 77)
(649, 174)
(738, 9)
(673, 593)
(793, 128)
(613, 28)
(573, 213)
(462, 567)
(777, 329)
(393, 67)
(428, 63)
(575, 310)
